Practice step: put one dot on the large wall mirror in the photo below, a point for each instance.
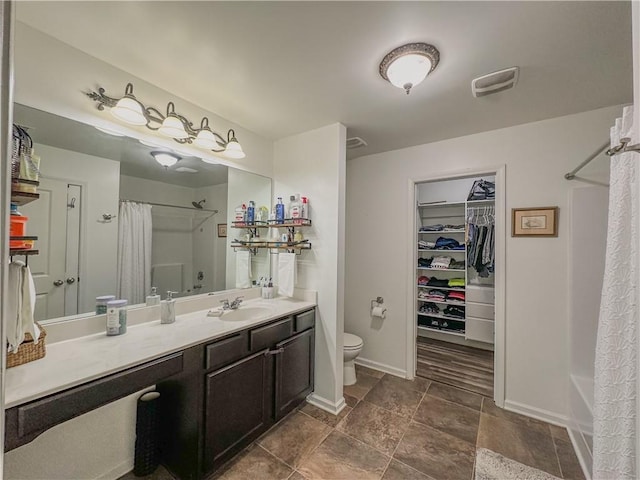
(98, 191)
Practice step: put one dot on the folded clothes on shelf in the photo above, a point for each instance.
(453, 282)
(422, 280)
(444, 243)
(429, 308)
(459, 264)
(453, 227)
(432, 228)
(441, 262)
(436, 282)
(454, 311)
(425, 262)
(453, 296)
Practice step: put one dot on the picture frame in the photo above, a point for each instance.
(222, 230)
(534, 222)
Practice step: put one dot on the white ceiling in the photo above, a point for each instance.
(280, 68)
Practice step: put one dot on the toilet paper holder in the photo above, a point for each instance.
(376, 303)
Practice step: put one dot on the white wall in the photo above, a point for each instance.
(313, 164)
(536, 155)
(99, 178)
(52, 76)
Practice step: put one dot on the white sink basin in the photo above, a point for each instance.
(246, 313)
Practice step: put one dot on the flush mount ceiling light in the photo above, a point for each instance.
(130, 110)
(166, 159)
(408, 65)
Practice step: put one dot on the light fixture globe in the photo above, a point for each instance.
(128, 109)
(233, 148)
(172, 125)
(205, 137)
(406, 66)
(166, 159)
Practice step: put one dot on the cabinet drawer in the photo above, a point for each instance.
(227, 350)
(480, 294)
(305, 321)
(269, 335)
(42, 414)
(480, 310)
(480, 330)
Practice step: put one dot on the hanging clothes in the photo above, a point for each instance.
(481, 240)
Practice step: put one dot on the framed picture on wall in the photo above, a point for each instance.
(222, 230)
(534, 222)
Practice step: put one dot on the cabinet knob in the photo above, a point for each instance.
(58, 283)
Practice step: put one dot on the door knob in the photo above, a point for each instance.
(71, 280)
(58, 283)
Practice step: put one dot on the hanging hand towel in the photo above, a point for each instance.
(286, 274)
(21, 297)
(243, 269)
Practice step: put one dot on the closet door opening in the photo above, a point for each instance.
(456, 267)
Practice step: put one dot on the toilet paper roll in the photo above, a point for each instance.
(379, 312)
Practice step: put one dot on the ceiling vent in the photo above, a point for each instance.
(355, 142)
(495, 82)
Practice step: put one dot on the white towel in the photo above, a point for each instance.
(286, 273)
(21, 300)
(243, 269)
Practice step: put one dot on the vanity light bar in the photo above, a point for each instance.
(130, 110)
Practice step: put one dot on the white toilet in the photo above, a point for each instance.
(352, 348)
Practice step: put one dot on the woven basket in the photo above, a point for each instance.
(28, 351)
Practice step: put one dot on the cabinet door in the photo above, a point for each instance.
(237, 407)
(294, 371)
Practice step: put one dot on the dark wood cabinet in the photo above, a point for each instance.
(245, 382)
(237, 407)
(294, 371)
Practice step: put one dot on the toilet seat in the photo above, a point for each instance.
(352, 342)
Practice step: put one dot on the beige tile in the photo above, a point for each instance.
(350, 401)
(296, 476)
(324, 416)
(520, 442)
(369, 371)
(489, 407)
(449, 417)
(341, 457)
(362, 386)
(375, 426)
(456, 395)
(560, 433)
(569, 464)
(295, 438)
(418, 383)
(254, 462)
(400, 471)
(400, 398)
(436, 453)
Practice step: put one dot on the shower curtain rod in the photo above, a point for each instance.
(572, 174)
(171, 206)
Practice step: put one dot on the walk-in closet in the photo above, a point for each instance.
(455, 278)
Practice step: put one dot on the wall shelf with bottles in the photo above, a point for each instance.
(20, 197)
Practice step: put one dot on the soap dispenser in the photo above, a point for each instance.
(154, 298)
(168, 309)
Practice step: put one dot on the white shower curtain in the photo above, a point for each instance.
(615, 395)
(134, 252)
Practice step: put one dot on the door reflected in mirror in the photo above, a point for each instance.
(111, 220)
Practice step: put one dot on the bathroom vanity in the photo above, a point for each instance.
(223, 381)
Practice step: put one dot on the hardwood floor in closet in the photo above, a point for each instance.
(456, 365)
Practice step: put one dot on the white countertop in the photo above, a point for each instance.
(79, 360)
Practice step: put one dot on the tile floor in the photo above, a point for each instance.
(398, 429)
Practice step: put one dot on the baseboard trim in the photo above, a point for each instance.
(381, 367)
(117, 472)
(326, 405)
(538, 413)
(582, 452)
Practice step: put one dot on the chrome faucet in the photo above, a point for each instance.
(233, 305)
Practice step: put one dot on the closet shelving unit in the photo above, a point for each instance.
(290, 224)
(453, 213)
(445, 213)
